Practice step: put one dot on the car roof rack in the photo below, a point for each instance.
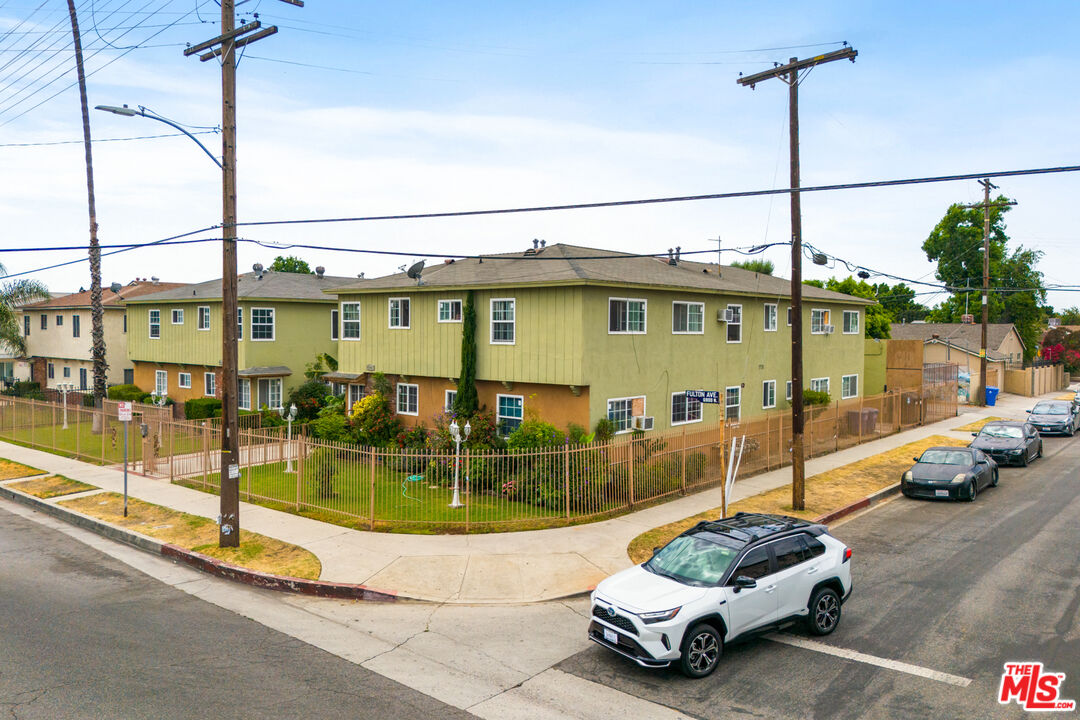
(749, 527)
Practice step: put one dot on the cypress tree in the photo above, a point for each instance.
(466, 402)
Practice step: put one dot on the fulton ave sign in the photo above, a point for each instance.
(704, 396)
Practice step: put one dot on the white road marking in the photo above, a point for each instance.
(870, 659)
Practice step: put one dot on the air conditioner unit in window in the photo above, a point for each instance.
(828, 329)
(643, 422)
(725, 315)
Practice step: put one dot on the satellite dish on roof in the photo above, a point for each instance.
(415, 271)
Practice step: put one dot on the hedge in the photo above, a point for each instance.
(199, 408)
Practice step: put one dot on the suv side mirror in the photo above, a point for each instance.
(974, 434)
(744, 582)
(915, 459)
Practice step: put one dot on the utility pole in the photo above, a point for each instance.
(789, 73)
(226, 43)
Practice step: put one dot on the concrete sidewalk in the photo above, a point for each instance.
(485, 568)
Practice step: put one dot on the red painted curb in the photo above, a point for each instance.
(858, 505)
(302, 586)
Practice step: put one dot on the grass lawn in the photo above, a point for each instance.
(825, 492)
(10, 469)
(79, 440)
(978, 424)
(52, 486)
(256, 552)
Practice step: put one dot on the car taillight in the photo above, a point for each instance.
(847, 554)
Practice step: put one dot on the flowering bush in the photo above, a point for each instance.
(373, 420)
(1053, 353)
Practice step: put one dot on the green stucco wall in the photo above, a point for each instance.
(874, 366)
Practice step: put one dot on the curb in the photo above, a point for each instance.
(866, 502)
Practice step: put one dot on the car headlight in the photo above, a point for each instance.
(960, 477)
(663, 615)
(1017, 451)
(907, 476)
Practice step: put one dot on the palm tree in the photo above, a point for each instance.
(13, 294)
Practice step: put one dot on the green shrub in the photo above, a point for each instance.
(309, 399)
(605, 430)
(579, 435)
(320, 471)
(127, 392)
(815, 397)
(199, 408)
(534, 433)
(88, 400)
(373, 420)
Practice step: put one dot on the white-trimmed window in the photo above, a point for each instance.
(262, 323)
(269, 393)
(788, 391)
(789, 316)
(687, 318)
(204, 317)
(849, 386)
(334, 324)
(350, 321)
(819, 318)
(820, 384)
(356, 394)
(734, 327)
(184, 380)
(239, 323)
(209, 384)
(626, 316)
(450, 397)
(684, 410)
(161, 382)
(768, 394)
(399, 313)
(449, 311)
(503, 314)
(732, 403)
(243, 396)
(851, 322)
(770, 317)
(620, 412)
(177, 316)
(408, 399)
(511, 409)
(155, 324)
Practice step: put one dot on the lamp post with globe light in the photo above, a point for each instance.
(65, 388)
(288, 417)
(455, 432)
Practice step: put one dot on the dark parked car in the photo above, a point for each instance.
(955, 473)
(1009, 443)
(1055, 416)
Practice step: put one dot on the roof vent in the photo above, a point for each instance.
(670, 256)
(543, 243)
(154, 280)
(258, 268)
(935, 336)
(360, 275)
(319, 271)
(678, 252)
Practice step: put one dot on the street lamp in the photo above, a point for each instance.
(144, 112)
(455, 432)
(288, 438)
(65, 388)
(158, 398)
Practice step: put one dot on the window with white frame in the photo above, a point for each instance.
(209, 384)
(59, 321)
(449, 311)
(408, 399)
(204, 317)
(510, 412)
(334, 324)
(75, 326)
(620, 412)
(184, 380)
(820, 384)
(399, 313)
(356, 394)
(819, 318)
(687, 318)
(350, 321)
(732, 403)
(734, 326)
(450, 399)
(788, 392)
(851, 322)
(684, 409)
(849, 386)
(262, 323)
(243, 395)
(155, 324)
(268, 393)
(626, 316)
(768, 394)
(239, 323)
(161, 382)
(770, 317)
(177, 316)
(502, 321)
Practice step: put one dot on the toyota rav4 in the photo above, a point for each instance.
(719, 581)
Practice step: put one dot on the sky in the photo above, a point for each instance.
(360, 109)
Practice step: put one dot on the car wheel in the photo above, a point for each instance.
(1039, 455)
(974, 490)
(701, 651)
(824, 612)
(994, 477)
(1026, 460)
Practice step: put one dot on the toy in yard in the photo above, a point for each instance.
(405, 486)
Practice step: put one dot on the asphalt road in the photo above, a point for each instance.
(958, 588)
(85, 636)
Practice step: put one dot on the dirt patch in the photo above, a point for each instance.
(825, 492)
(52, 486)
(192, 532)
(10, 469)
(978, 424)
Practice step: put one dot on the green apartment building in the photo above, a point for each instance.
(284, 321)
(577, 334)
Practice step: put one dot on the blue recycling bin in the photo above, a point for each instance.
(991, 395)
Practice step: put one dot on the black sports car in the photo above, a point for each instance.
(1054, 416)
(954, 473)
(1009, 443)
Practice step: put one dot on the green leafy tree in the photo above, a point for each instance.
(466, 402)
(1070, 316)
(765, 267)
(877, 318)
(899, 302)
(290, 264)
(14, 293)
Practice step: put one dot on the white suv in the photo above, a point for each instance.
(718, 581)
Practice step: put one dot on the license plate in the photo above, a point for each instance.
(611, 636)
(941, 493)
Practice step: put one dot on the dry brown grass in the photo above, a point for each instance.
(978, 424)
(825, 492)
(52, 486)
(10, 469)
(191, 532)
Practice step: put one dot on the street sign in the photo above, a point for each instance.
(704, 396)
(123, 409)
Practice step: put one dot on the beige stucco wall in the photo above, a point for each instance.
(58, 345)
(1012, 348)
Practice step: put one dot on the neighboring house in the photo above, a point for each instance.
(575, 340)
(59, 342)
(284, 321)
(960, 343)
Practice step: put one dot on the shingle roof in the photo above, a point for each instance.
(966, 336)
(108, 297)
(561, 264)
(272, 286)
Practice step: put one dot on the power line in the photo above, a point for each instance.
(99, 140)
